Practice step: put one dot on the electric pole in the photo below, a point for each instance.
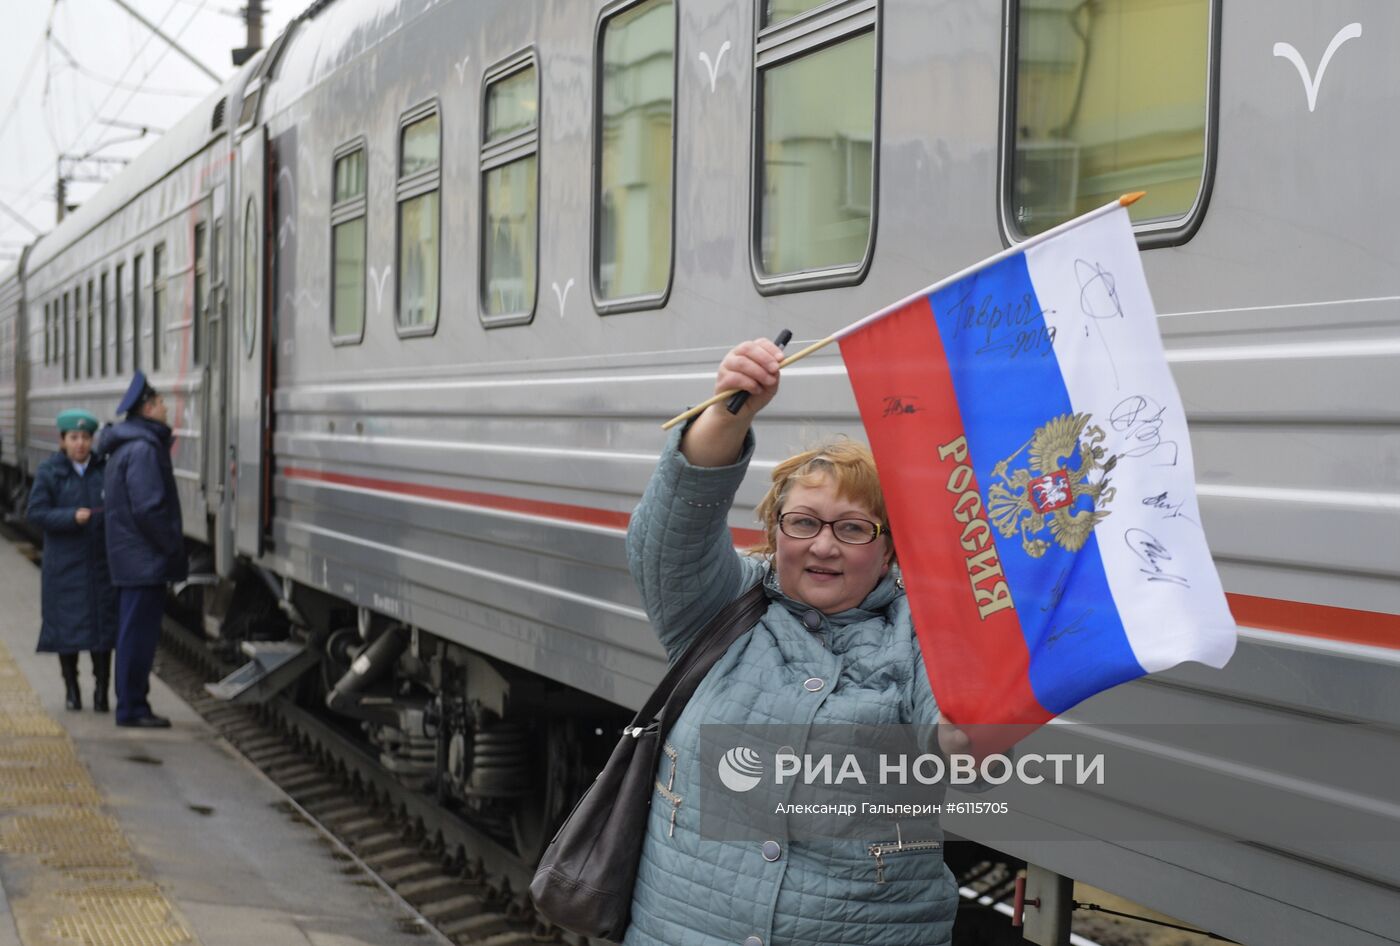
(253, 16)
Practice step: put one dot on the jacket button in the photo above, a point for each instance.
(772, 850)
(814, 684)
(753, 941)
(811, 620)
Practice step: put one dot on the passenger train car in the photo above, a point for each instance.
(425, 276)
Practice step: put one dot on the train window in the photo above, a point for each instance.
(510, 191)
(816, 127)
(90, 334)
(633, 193)
(216, 256)
(136, 312)
(47, 339)
(117, 314)
(65, 336)
(348, 246)
(77, 332)
(157, 304)
(102, 318)
(420, 145)
(1104, 99)
(199, 314)
(250, 277)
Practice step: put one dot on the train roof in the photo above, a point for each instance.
(325, 38)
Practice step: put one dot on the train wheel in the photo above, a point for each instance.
(555, 774)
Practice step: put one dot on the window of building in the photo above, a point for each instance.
(157, 305)
(1107, 98)
(120, 325)
(136, 312)
(420, 144)
(200, 315)
(510, 191)
(348, 245)
(776, 11)
(634, 192)
(816, 125)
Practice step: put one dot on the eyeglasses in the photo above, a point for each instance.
(801, 525)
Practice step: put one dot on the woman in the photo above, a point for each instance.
(79, 602)
(836, 645)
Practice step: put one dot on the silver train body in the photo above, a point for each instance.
(472, 482)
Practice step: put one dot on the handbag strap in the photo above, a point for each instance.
(684, 676)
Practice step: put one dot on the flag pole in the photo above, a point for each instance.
(1126, 200)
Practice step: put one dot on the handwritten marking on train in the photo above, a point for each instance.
(379, 280)
(563, 297)
(1311, 83)
(461, 68)
(713, 68)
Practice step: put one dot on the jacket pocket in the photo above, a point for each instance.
(888, 853)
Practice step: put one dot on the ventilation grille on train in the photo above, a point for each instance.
(217, 121)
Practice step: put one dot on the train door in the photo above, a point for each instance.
(216, 386)
(250, 354)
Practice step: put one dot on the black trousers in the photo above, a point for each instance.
(138, 634)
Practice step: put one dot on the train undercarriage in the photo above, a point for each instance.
(505, 748)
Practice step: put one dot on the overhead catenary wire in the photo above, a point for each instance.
(26, 197)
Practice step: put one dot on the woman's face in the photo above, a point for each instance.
(828, 574)
(77, 445)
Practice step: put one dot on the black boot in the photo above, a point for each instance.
(73, 698)
(102, 674)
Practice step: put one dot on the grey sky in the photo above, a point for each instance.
(65, 64)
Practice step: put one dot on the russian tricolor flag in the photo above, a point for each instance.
(1036, 464)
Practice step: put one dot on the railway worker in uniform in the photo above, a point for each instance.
(145, 540)
(79, 602)
(836, 646)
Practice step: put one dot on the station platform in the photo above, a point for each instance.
(129, 837)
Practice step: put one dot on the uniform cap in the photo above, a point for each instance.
(137, 393)
(76, 419)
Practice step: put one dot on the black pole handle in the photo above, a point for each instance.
(738, 400)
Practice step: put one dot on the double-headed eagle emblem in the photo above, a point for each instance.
(1045, 494)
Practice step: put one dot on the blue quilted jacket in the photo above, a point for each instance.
(695, 891)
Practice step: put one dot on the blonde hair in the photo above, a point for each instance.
(848, 463)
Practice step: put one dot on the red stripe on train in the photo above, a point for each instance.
(1291, 617)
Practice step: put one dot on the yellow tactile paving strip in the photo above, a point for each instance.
(70, 874)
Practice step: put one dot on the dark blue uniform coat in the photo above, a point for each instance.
(145, 541)
(79, 602)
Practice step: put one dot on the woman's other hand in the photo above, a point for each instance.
(952, 740)
(751, 366)
(82, 516)
(716, 437)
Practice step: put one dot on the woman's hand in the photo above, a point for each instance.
(753, 367)
(82, 516)
(716, 437)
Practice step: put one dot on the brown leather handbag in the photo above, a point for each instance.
(584, 881)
